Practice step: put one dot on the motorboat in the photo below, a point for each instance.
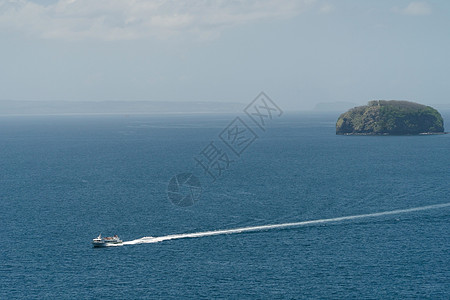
(106, 241)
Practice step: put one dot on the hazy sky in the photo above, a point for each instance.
(298, 52)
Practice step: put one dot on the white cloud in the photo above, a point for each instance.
(415, 9)
(135, 19)
(326, 8)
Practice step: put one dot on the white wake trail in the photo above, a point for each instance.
(146, 240)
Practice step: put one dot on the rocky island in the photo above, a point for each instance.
(381, 117)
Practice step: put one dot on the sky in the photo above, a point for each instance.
(300, 52)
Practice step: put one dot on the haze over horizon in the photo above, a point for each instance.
(301, 53)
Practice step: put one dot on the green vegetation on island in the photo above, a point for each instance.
(381, 117)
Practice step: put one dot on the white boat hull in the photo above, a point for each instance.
(105, 242)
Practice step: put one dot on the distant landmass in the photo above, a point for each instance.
(441, 106)
(10, 107)
(381, 117)
(333, 106)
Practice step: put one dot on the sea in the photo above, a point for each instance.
(65, 179)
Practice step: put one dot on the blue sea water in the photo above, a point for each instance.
(65, 179)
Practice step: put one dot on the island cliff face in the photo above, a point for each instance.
(380, 117)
